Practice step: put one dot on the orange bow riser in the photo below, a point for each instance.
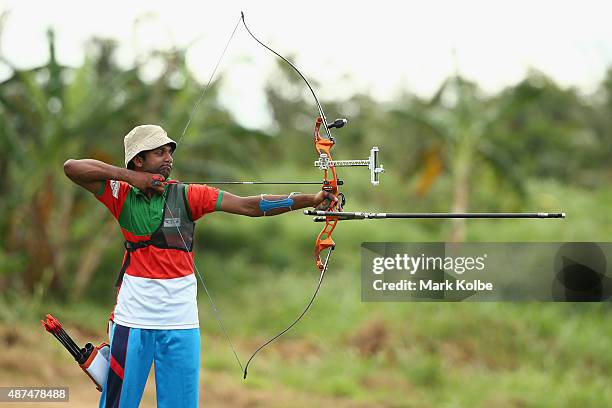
(330, 184)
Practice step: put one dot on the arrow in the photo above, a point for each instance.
(343, 216)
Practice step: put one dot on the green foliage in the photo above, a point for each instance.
(488, 149)
(533, 146)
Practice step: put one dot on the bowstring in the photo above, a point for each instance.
(214, 306)
(195, 267)
(210, 79)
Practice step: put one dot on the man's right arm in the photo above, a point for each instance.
(92, 174)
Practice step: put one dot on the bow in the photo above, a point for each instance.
(324, 242)
(330, 183)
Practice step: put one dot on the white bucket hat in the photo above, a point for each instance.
(145, 137)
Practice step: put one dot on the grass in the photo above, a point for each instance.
(386, 354)
(403, 354)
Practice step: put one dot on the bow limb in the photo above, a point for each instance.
(314, 295)
(319, 107)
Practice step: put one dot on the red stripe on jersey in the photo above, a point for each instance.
(156, 263)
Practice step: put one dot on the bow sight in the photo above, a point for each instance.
(371, 162)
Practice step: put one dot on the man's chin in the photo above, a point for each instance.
(164, 172)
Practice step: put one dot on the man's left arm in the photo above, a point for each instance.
(271, 204)
(204, 199)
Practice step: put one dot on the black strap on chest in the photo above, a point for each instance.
(175, 231)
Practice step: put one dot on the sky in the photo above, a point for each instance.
(380, 48)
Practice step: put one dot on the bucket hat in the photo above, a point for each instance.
(145, 137)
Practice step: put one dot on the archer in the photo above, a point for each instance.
(155, 318)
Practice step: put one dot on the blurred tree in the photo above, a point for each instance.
(52, 113)
(547, 127)
(453, 127)
(596, 160)
(46, 112)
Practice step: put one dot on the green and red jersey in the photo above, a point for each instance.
(159, 288)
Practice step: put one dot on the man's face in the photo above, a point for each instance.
(158, 161)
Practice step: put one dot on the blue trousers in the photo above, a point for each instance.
(176, 354)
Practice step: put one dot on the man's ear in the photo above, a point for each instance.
(138, 161)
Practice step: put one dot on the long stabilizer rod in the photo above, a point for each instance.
(343, 216)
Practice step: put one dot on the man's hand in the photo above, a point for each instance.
(323, 200)
(147, 181)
